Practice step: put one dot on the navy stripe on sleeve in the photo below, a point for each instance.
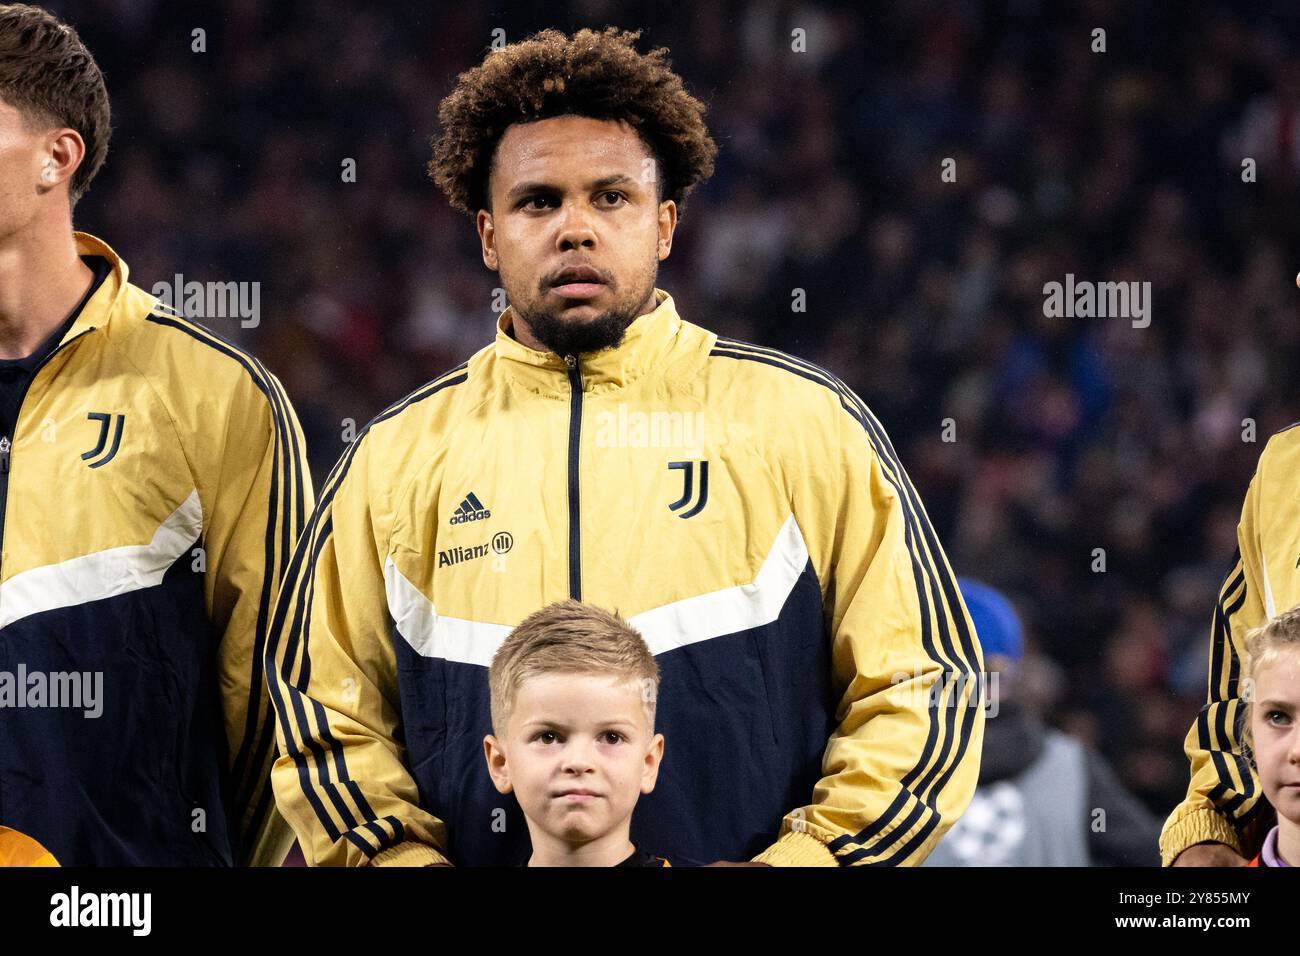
(925, 780)
(290, 628)
(286, 483)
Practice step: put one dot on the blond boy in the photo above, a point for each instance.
(573, 692)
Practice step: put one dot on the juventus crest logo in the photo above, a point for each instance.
(689, 469)
(105, 423)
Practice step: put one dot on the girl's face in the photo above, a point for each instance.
(1277, 741)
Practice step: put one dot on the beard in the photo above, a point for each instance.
(572, 336)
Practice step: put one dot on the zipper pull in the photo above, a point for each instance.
(4, 454)
(576, 372)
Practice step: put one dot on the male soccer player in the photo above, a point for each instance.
(741, 507)
(152, 484)
(1225, 816)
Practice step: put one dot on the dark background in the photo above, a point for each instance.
(927, 297)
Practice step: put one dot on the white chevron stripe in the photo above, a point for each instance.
(433, 636)
(104, 574)
(664, 628)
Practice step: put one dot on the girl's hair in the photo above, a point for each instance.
(1263, 645)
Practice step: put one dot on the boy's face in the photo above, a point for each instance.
(577, 752)
(1277, 741)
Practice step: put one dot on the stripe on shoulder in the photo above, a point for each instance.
(451, 377)
(448, 379)
(748, 352)
(168, 310)
(218, 343)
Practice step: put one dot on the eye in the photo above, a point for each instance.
(612, 192)
(527, 203)
(612, 737)
(1277, 713)
(546, 736)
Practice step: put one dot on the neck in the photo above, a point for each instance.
(41, 281)
(608, 850)
(1288, 840)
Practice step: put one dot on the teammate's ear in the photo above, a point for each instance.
(66, 151)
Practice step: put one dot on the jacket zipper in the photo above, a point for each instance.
(575, 434)
(6, 441)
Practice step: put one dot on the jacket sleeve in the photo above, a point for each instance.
(262, 497)
(902, 764)
(341, 777)
(1223, 801)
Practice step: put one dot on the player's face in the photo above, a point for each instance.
(566, 192)
(1277, 741)
(580, 753)
(20, 169)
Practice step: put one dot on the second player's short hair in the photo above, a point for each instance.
(569, 637)
(598, 74)
(48, 75)
(1262, 646)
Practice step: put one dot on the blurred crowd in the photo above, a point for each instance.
(1065, 435)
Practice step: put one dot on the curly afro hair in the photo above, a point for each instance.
(594, 74)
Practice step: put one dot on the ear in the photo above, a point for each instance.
(667, 225)
(63, 153)
(487, 239)
(654, 755)
(498, 768)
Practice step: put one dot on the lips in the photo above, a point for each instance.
(576, 796)
(578, 282)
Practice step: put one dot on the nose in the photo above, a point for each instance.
(576, 229)
(577, 757)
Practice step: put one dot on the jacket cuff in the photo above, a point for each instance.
(1196, 826)
(409, 853)
(794, 848)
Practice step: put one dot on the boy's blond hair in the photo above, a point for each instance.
(1263, 645)
(569, 637)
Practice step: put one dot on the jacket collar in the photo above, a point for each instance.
(646, 343)
(96, 312)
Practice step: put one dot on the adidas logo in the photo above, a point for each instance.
(471, 509)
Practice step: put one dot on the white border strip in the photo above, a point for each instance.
(104, 574)
(674, 625)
